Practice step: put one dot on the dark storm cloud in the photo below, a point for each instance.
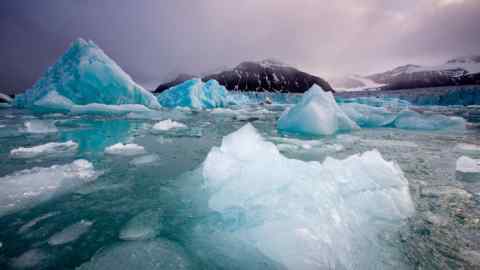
(155, 40)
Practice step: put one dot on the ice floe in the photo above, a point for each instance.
(32, 186)
(468, 169)
(141, 227)
(70, 233)
(53, 148)
(40, 126)
(144, 160)
(167, 125)
(129, 149)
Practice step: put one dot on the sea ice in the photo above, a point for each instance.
(129, 149)
(53, 148)
(167, 125)
(468, 148)
(307, 215)
(40, 126)
(35, 221)
(30, 259)
(316, 114)
(141, 227)
(468, 169)
(86, 75)
(413, 120)
(143, 160)
(29, 187)
(70, 233)
(140, 255)
(197, 95)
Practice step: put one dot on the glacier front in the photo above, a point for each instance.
(85, 75)
(307, 215)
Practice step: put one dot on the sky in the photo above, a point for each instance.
(154, 40)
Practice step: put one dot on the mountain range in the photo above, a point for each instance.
(266, 75)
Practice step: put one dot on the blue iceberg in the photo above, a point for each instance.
(316, 114)
(197, 94)
(85, 75)
(368, 116)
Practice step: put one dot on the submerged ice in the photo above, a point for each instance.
(307, 215)
(85, 75)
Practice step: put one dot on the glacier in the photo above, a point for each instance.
(306, 215)
(85, 75)
(197, 94)
(316, 114)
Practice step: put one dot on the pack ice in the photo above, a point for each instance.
(197, 94)
(85, 75)
(316, 114)
(307, 215)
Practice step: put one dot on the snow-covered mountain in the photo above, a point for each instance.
(458, 71)
(266, 75)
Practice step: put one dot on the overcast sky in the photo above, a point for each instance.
(153, 40)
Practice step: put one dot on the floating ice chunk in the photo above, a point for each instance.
(468, 148)
(412, 120)
(368, 116)
(40, 126)
(167, 125)
(44, 149)
(197, 95)
(140, 255)
(30, 259)
(35, 221)
(144, 160)
(28, 187)
(85, 75)
(468, 169)
(70, 233)
(129, 149)
(307, 215)
(143, 226)
(316, 114)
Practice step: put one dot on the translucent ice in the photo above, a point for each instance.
(413, 120)
(140, 255)
(29, 187)
(86, 75)
(70, 233)
(197, 95)
(167, 125)
(316, 114)
(44, 149)
(129, 149)
(307, 215)
(144, 160)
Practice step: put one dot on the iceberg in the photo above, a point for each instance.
(198, 95)
(468, 169)
(408, 119)
(85, 75)
(53, 148)
(316, 114)
(129, 149)
(306, 215)
(29, 187)
(167, 125)
(40, 126)
(368, 116)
